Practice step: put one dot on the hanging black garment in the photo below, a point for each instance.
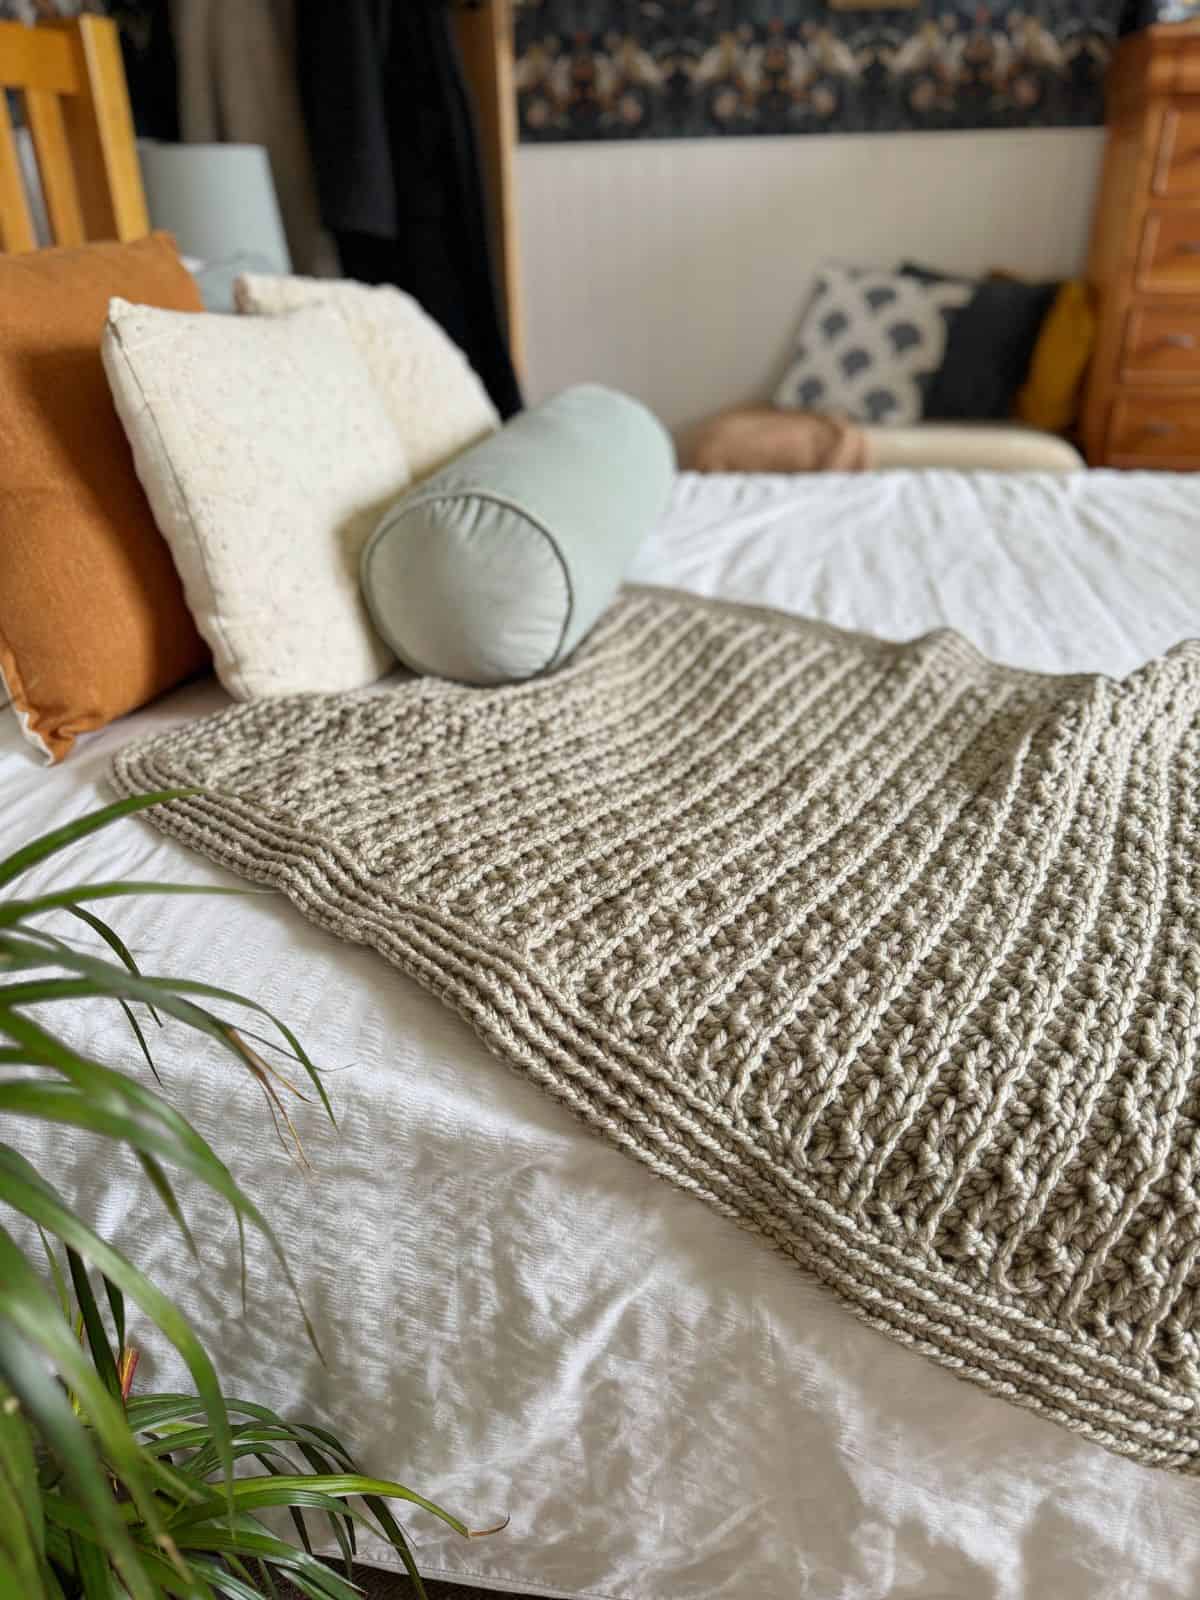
(151, 71)
(397, 161)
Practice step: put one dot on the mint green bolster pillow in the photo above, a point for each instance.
(499, 564)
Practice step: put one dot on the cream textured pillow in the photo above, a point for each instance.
(267, 457)
(430, 389)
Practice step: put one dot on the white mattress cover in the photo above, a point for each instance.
(518, 1318)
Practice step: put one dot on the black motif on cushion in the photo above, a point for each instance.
(903, 336)
(836, 322)
(810, 392)
(854, 361)
(878, 403)
(881, 295)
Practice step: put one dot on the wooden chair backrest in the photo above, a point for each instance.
(71, 81)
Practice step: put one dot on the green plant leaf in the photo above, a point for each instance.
(102, 1356)
(47, 1406)
(166, 993)
(255, 1494)
(22, 1526)
(114, 942)
(59, 838)
(92, 1569)
(116, 1305)
(56, 1271)
(27, 1191)
(63, 1103)
(41, 1048)
(249, 1538)
(225, 1582)
(192, 1584)
(18, 911)
(117, 945)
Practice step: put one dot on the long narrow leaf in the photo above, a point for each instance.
(116, 1306)
(58, 838)
(16, 911)
(102, 1355)
(246, 1538)
(27, 1192)
(253, 1494)
(22, 1527)
(225, 1582)
(92, 1570)
(62, 1103)
(191, 1151)
(56, 1271)
(29, 1317)
(114, 942)
(49, 1408)
(117, 945)
(167, 994)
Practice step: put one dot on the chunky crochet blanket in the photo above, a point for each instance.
(889, 953)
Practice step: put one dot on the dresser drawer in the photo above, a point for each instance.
(1162, 344)
(1177, 159)
(1169, 258)
(1157, 428)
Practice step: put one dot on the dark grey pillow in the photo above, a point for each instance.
(989, 345)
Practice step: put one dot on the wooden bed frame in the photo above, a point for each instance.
(71, 81)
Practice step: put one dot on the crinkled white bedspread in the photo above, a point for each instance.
(520, 1319)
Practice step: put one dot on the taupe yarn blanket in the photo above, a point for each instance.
(888, 953)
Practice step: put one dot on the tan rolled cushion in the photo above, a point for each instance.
(92, 617)
(432, 394)
(771, 439)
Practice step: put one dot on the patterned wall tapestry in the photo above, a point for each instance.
(621, 69)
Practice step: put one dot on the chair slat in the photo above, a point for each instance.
(99, 124)
(37, 58)
(16, 223)
(44, 111)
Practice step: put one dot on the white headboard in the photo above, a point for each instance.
(676, 269)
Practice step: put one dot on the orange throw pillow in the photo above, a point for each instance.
(1049, 398)
(92, 617)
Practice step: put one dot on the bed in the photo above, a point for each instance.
(529, 1324)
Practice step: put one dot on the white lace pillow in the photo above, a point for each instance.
(267, 457)
(870, 342)
(432, 394)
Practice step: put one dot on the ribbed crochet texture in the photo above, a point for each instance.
(885, 951)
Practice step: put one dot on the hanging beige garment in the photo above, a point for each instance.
(237, 84)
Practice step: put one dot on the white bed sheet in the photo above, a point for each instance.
(520, 1319)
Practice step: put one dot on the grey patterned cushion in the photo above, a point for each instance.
(870, 342)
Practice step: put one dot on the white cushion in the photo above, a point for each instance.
(267, 456)
(971, 446)
(430, 390)
(868, 341)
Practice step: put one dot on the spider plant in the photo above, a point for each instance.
(105, 1492)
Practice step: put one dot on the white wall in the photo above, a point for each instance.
(676, 269)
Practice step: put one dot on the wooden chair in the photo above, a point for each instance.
(71, 81)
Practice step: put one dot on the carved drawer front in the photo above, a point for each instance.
(1162, 344)
(1177, 159)
(1170, 253)
(1160, 428)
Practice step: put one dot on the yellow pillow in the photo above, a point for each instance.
(1049, 397)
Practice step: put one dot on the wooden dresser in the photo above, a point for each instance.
(1142, 402)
